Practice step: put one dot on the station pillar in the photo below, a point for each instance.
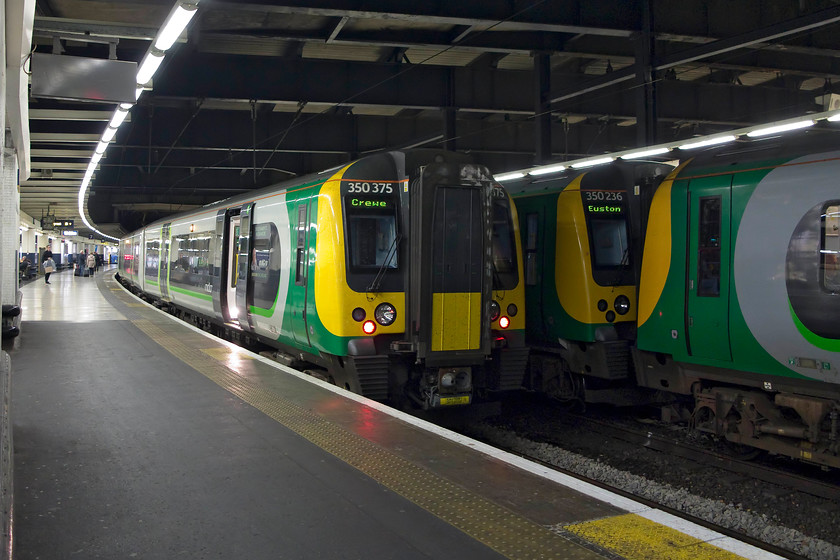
(9, 224)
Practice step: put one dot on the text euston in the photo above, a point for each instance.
(369, 187)
(368, 203)
(603, 209)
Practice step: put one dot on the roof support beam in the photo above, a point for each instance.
(792, 27)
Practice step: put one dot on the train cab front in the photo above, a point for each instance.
(417, 254)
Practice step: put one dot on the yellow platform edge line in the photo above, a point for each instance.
(636, 538)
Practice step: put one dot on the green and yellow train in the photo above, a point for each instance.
(396, 276)
(727, 306)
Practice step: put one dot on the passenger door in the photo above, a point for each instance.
(244, 287)
(709, 268)
(298, 290)
(163, 269)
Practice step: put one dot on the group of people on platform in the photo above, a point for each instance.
(91, 261)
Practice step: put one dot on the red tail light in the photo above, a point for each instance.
(369, 327)
(504, 322)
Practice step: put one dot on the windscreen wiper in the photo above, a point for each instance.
(392, 252)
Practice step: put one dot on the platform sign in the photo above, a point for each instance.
(63, 224)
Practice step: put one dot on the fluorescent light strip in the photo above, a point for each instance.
(118, 118)
(175, 23)
(781, 128)
(646, 153)
(834, 118)
(109, 134)
(149, 65)
(591, 163)
(509, 176)
(101, 147)
(547, 170)
(708, 142)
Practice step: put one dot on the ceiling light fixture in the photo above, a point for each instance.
(509, 176)
(118, 118)
(109, 134)
(781, 128)
(591, 162)
(646, 153)
(149, 65)
(708, 142)
(546, 170)
(174, 25)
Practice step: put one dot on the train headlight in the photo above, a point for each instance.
(463, 381)
(495, 310)
(385, 314)
(512, 310)
(622, 305)
(359, 314)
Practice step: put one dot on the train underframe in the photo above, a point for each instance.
(749, 412)
(794, 418)
(387, 371)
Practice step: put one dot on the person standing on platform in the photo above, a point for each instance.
(91, 263)
(51, 266)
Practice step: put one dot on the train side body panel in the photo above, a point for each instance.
(744, 320)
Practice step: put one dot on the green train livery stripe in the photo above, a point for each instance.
(830, 344)
(190, 293)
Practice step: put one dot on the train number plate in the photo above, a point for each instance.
(448, 401)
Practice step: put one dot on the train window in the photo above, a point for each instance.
(708, 258)
(830, 249)
(505, 273)
(300, 268)
(265, 264)
(152, 258)
(234, 264)
(371, 233)
(190, 268)
(609, 239)
(532, 221)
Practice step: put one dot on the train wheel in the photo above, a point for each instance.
(567, 389)
(736, 449)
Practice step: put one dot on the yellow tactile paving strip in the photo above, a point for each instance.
(629, 536)
(637, 538)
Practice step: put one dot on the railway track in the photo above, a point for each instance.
(782, 479)
(785, 508)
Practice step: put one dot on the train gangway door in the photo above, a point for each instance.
(708, 281)
(298, 290)
(165, 251)
(244, 283)
(451, 277)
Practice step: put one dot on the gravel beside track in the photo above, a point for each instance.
(806, 527)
